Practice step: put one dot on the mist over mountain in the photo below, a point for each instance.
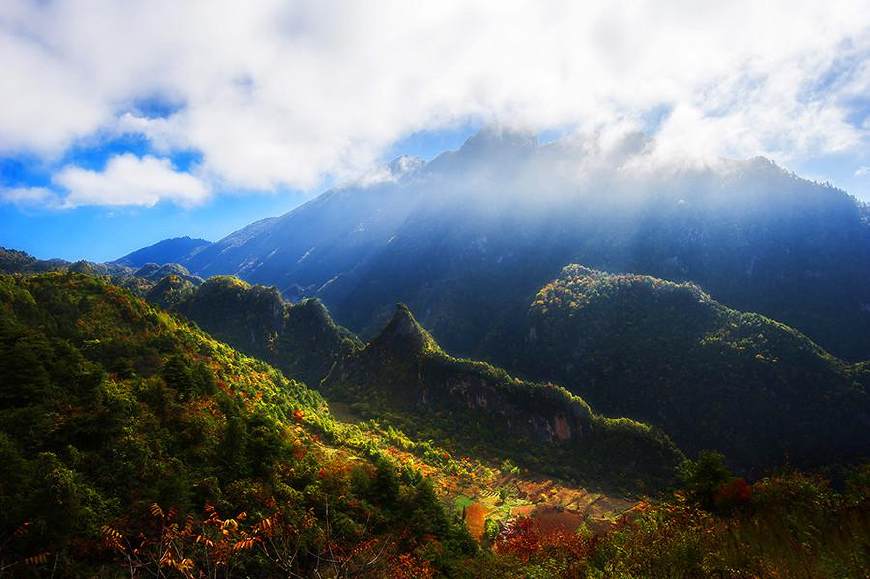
(467, 239)
(485, 289)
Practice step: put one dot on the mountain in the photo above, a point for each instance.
(133, 443)
(404, 370)
(154, 273)
(130, 439)
(301, 339)
(466, 239)
(710, 376)
(15, 261)
(172, 250)
(140, 280)
(170, 291)
(403, 373)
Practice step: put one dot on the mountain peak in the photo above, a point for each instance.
(405, 164)
(499, 139)
(314, 312)
(405, 334)
(173, 250)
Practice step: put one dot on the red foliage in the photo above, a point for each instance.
(408, 566)
(519, 538)
(524, 539)
(734, 493)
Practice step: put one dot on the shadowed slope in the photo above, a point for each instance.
(300, 339)
(404, 372)
(712, 377)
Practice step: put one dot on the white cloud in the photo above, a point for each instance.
(30, 196)
(281, 93)
(126, 180)
(862, 172)
(129, 180)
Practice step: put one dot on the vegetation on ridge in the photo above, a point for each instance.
(133, 444)
(403, 373)
(300, 339)
(117, 420)
(710, 376)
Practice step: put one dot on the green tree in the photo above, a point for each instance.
(703, 477)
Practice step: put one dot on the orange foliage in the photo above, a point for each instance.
(475, 518)
(410, 567)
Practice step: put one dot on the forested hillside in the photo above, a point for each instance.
(403, 370)
(659, 352)
(404, 374)
(710, 376)
(300, 339)
(133, 444)
(131, 441)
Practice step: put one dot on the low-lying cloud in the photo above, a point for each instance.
(277, 93)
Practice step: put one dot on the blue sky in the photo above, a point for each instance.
(131, 122)
(105, 233)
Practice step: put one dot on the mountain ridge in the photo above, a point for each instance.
(172, 250)
(714, 378)
(301, 339)
(502, 209)
(405, 375)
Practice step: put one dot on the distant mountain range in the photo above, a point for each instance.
(482, 245)
(467, 239)
(138, 279)
(167, 251)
